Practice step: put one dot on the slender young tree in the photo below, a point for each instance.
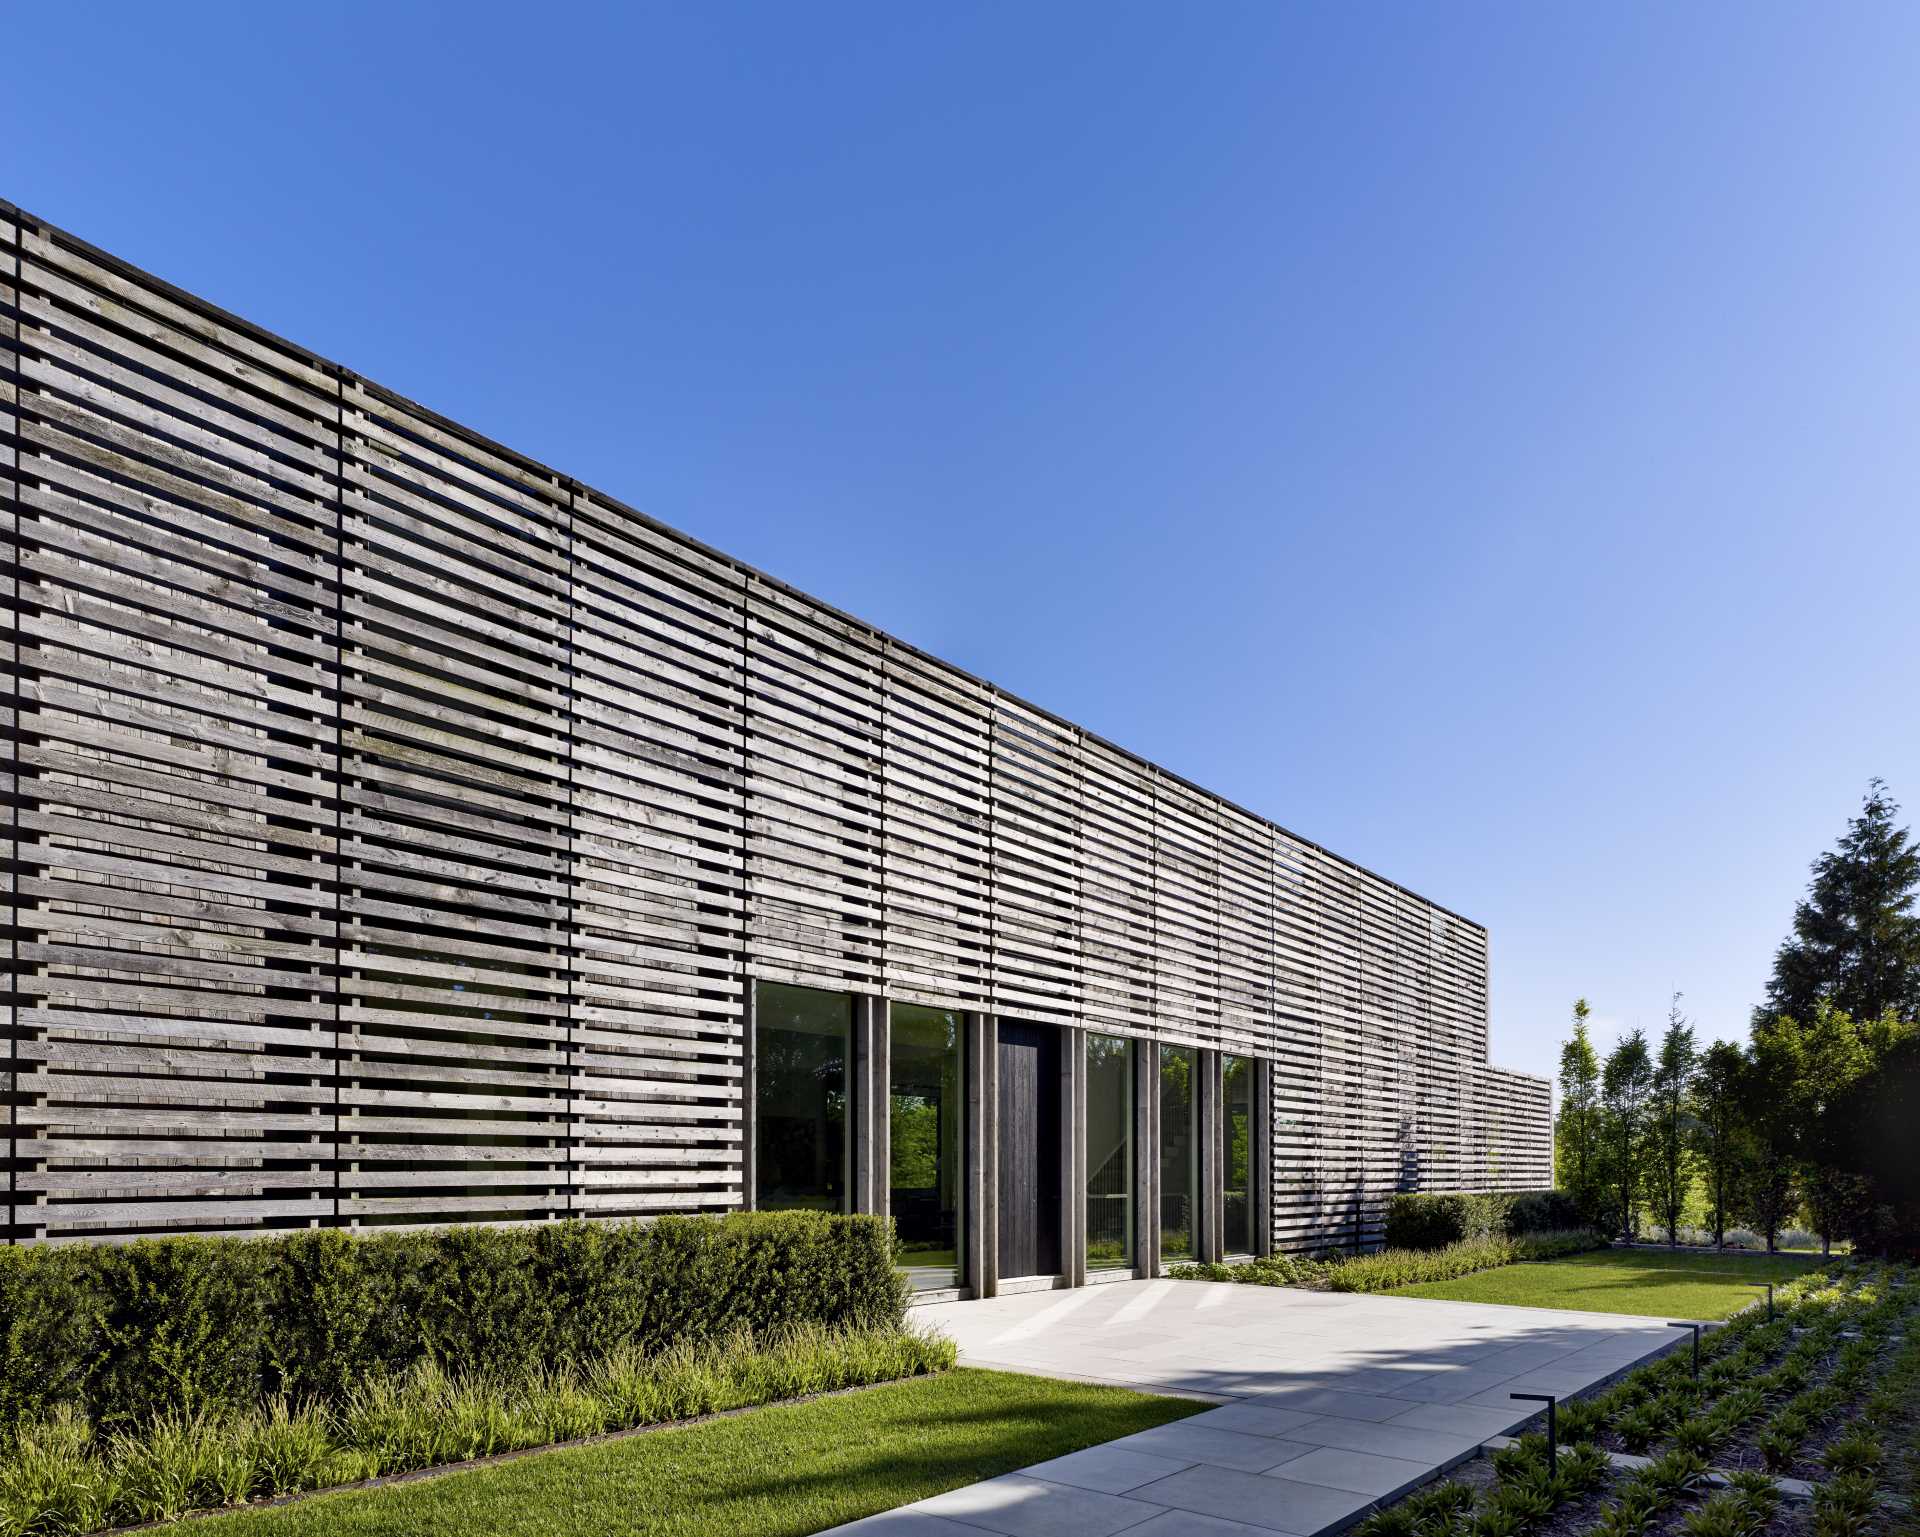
(1856, 938)
(1717, 1127)
(1773, 1105)
(1669, 1161)
(1575, 1137)
(1625, 1083)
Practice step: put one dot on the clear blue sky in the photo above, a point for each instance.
(1484, 439)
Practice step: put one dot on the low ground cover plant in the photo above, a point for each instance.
(1522, 1496)
(1834, 1376)
(63, 1475)
(796, 1467)
(1409, 1267)
(1391, 1268)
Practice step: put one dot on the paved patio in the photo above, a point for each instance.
(1329, 1404)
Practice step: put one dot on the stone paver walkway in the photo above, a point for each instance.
(1329, 1403)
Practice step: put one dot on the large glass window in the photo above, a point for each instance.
(1179, 1153)
(802, 1046)
(926, 1112)
(1236, 1148)
(1109, 1152)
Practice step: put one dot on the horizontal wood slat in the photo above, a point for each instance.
(395, 827)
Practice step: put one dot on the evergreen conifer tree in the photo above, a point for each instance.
(1856, 938)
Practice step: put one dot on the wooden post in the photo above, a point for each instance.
(1146, 1141)
(983, 1157)
(1209, 1207)
(867, 1093)
(749, 1105)
(1260, 1156)
(1073, 1158)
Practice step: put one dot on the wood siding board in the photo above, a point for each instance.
(397, 825)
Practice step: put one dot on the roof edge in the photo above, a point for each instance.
(325, 364)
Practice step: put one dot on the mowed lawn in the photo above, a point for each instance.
(1626, 1281)
(787, 1469)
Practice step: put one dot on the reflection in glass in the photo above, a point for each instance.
(1109, 1152)
(1179, 1153)
(1236, 1128)
(926, 1114)
(801, 1045)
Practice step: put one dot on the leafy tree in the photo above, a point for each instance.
(1877, 1122)
(1856, 938)
(1773, 1103)
(1625, 1084)
(1840, 1054)
(913, 1143)
(1669, 1165)
(1577, 1155)
(1718, 1130)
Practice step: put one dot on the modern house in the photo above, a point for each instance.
(404, 833)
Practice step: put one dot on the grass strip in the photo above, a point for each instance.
(62, 1476)
(1648, 1282)
(782, 1471)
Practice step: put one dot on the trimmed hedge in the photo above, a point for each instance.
(1543, 1211)
(1428, 1221)
(1433, 1221)
(123, 1332)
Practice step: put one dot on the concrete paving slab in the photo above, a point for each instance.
(1452, 1419)
(907, 1521)
(1436, 1448)
(1196, 1441)
(1113, 1468)
(1332, 1401)
(1017, 1506)
(1328, 1402)
(1254, 1419)
(1261, 1501)
(1188, 1523)
(1358, 1472)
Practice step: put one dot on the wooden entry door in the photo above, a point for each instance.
(1029, 1150)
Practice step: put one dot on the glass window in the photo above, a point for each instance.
(926, 1113)
(1179, 1153)
(1109, 1153)
(1236, 1145)
(802, 1042)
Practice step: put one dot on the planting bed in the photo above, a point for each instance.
(1827, 1392)
(1393, 1269)
(64, 1476)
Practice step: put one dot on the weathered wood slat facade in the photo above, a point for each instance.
(396, 826)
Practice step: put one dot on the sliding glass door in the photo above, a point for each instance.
(1109, 1153)
(1236, 1164)
(1179, 1153)
(802, 1045)
(926, 1111)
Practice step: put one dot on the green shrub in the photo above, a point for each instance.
(1543, 1211)
(188, 1326)
(1272, 1270)
(1427, 1220)
(1433, 1221)
(1412, 1267)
